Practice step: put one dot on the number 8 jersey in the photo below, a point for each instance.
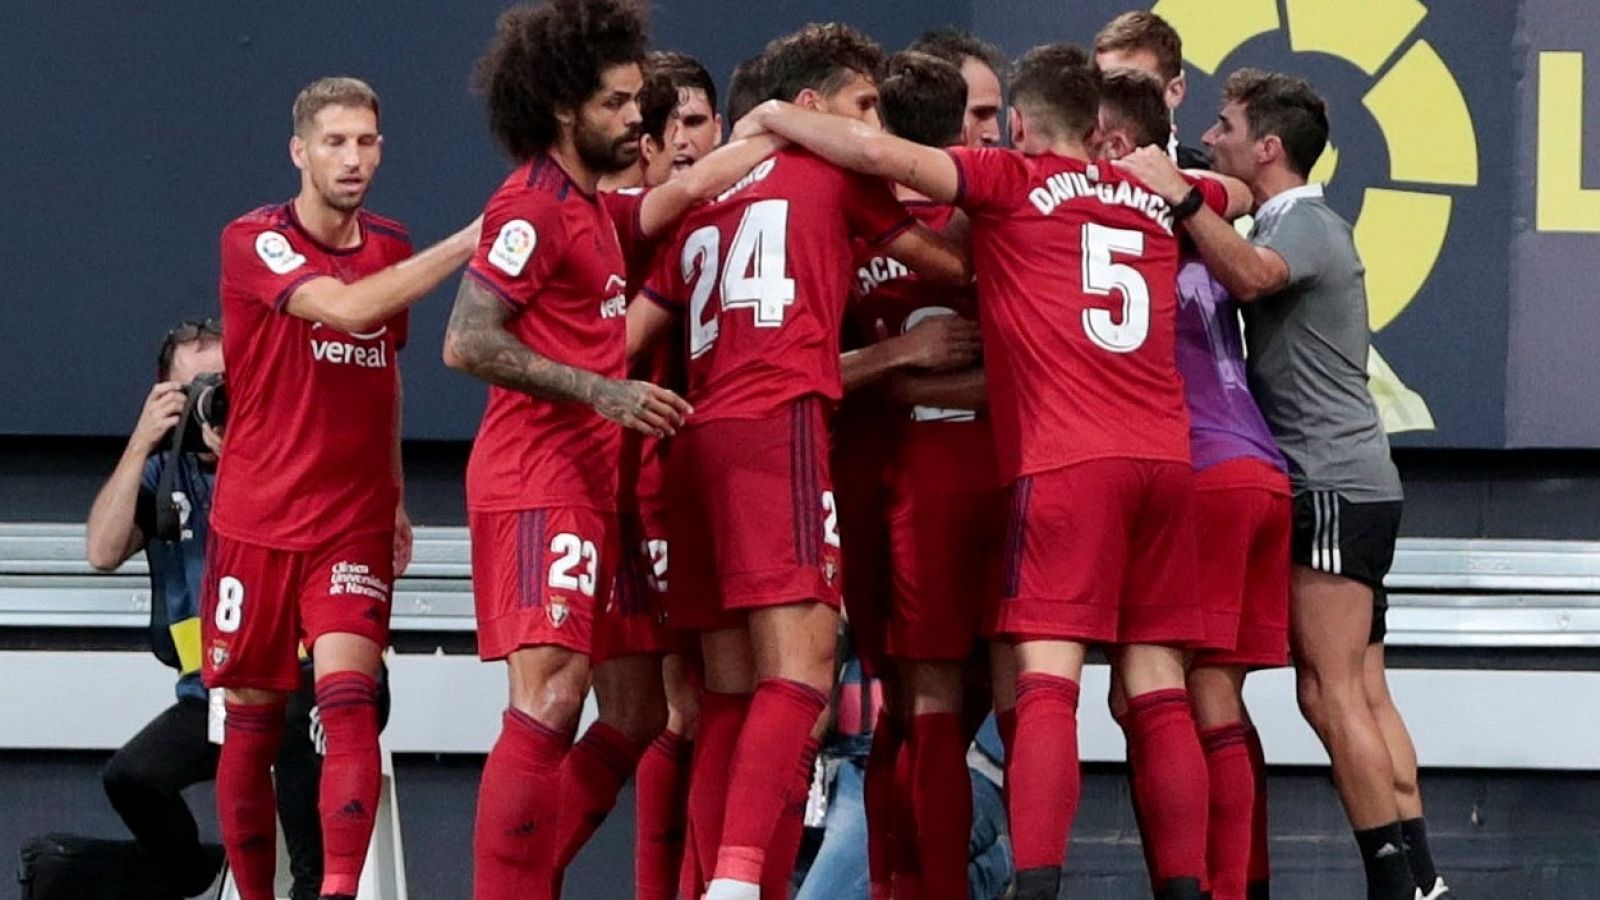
(762, 274)
(1077, 271)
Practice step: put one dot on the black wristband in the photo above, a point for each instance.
(1189, 205)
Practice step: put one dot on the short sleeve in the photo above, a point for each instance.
(1213, 191)
(1296, 235)
(662, 283)
(870, 207)
(261, 262)
(625, 207)
(400, 327)
(524, 239)
(987, 176)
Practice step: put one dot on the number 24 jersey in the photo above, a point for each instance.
(763, 273)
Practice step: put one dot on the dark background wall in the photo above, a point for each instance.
(136, 131)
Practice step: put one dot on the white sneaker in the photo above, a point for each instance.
(1439, 891)
(728, 889)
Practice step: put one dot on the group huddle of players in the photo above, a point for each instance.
(862, 355)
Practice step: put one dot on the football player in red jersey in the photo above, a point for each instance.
(540, 316)
(1077, 271)
(309, 524)
(762, 274)
(944, 512)
(1242, 515)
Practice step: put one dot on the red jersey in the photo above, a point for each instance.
(1077, 282)
(550, 253)
(307, 454)
(763, 273)
(626, 208)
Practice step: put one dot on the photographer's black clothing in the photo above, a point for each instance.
(145, 780)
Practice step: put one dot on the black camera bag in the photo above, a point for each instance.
(70, 867)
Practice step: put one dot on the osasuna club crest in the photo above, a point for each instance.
(557, 610)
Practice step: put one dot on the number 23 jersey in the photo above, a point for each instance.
(1077, 292)
(763, 273)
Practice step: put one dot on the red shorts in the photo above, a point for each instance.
(859, 465)
(1243, 518)
(540, 575)
(633, 622)
(947, 524)
(1103, 552)
(260, 605)
(754, 522)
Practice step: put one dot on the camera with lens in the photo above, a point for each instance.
(207, 404)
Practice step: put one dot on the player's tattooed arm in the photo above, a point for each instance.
(858, 146)
(477, 342)
(719, 170)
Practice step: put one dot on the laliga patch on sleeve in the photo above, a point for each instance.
(274, 250)
(513, 246)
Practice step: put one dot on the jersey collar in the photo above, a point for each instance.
(1280, 202)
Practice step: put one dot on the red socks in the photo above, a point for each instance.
(1042, 771)
(722, 717)
(591, 775)
(1260, 863)
(778, 868)
(1169, 784)
(782, 715)
(906, 883)
(1233, 793)
(245, 806)
(514, 840)
(352, 773)
(661, 797)
(942, 792)
(878, 798)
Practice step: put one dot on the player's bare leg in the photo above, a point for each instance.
(1042, 769)
(793, 647)
(514, 850)
(1329, 627)
(1403, 757)
(1217, 695)
(633, 711)
(246, 805)
(346, 668)
(941, 786)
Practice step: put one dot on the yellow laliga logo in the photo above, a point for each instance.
(1564, 204)
(1422, 114)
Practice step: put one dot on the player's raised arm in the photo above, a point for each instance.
(858, 146)
(1247, 271)
(934, 256)
(477, 342)
(718, 171)
(364, 305)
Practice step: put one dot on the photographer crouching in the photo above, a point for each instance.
(158, 499)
